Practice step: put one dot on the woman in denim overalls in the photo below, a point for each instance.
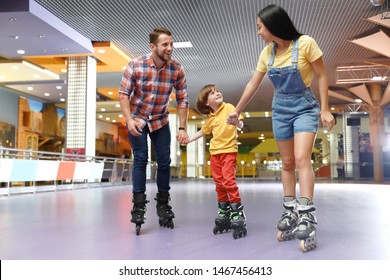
(295, 113)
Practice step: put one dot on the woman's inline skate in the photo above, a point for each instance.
(289, 220)
(307, 225)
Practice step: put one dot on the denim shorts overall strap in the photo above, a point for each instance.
(294, 107)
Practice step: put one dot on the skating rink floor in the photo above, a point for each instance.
(93, 224)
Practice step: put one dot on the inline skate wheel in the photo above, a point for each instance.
(137, 229)
(279, 236)
(307, 245)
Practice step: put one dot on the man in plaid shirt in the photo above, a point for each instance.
(144, 94)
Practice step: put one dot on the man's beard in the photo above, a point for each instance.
(163, 56)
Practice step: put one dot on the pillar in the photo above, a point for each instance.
(192, 152)
(351, 150)
(81, 106)
(377, 130)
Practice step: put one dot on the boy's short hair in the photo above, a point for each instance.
(201, 100)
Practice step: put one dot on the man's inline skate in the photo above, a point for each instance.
(164, 210)
(289, 220)
(307, 225)
(237, 218)
(222, 222)
(139, 209)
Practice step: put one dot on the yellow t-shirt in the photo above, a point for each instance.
(224, 135)
(308, 51)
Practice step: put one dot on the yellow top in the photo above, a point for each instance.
(308, 51)
(224, 135)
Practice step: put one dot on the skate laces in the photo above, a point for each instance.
(288, 213)
(223, 212)
(237, 215)
(306, 218)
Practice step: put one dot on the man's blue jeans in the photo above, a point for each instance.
(161, 141)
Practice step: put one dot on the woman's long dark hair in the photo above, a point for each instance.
(278, 22)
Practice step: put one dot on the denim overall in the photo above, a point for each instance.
(294, 106)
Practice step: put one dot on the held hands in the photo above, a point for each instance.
(182, 137)
(327, 120)
(232, 119)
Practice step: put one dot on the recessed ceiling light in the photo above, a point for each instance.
(103, 109)
(107, 119)
(30, 88)
(121, 116)
(58, 87)
(117, 105)
(100, 116)
(42, 36)
(46, 94)
(110, 93)
(62, 99)
(101, 51)
(113, 120)
(21, 51)
(64, 70)
(180, 45)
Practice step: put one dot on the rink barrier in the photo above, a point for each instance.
(26, 171)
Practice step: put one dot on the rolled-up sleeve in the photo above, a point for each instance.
(181, 90)
(127, 83)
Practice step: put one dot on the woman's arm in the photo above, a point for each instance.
(319, 71)
(247, 95)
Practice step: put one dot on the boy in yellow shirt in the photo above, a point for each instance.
(223, 159)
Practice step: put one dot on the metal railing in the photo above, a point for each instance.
(29, 171)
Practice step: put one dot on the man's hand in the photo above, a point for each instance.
(133, 127)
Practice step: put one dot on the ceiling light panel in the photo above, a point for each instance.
(24, 71)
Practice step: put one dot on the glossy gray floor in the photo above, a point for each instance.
(93, 224)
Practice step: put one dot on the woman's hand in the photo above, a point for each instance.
(327, 120)
(232, 118)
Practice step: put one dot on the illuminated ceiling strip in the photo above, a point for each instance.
(362, 74)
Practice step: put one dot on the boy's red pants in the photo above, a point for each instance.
(223, 170)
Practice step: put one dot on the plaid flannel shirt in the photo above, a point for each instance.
(148, 90)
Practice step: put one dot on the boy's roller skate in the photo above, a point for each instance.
(237, 217)
(164, 210)
(138, 211)
(289, 220)
(307, 225)
(222, 222)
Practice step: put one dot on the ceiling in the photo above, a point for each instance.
(223, 34)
